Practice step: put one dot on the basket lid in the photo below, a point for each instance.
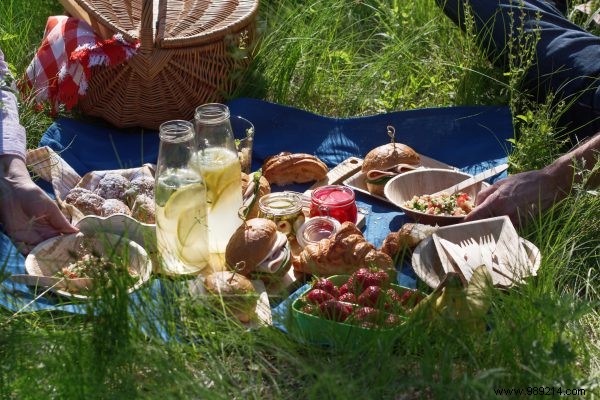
(170, 23)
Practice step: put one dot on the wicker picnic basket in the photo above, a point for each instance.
(191, 52)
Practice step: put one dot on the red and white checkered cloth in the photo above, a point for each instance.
(61, 69)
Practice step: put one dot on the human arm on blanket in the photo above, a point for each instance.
(522, 195)
(27, 214)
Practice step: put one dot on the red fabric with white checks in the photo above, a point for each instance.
(60, 71)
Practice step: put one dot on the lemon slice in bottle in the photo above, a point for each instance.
(183, 199)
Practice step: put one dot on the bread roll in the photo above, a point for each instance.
(286, 168)
(384, 162)
(406, 238)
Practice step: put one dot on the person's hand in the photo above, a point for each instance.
(27, 214)
(519, 196)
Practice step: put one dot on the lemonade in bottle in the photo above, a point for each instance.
(217, 161)
(181, 221)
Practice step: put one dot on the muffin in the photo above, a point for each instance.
(114, 206)
(143, 209)
(138, 186)
(112, 186)
(89, 203)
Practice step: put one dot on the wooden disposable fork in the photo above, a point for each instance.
(500, 275)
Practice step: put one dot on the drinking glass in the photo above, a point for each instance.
(216, 159)
(182, 236)
(243, 131)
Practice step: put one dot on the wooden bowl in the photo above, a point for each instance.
(403, 187)
(49, 257)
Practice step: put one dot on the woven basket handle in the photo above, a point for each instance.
(147, 28)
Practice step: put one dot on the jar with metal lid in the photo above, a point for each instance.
(316, 229)
(283, 208)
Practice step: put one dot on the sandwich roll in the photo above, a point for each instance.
(386, 161)
(258, 249)
(237, 292)
(254, 186)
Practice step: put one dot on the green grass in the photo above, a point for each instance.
(338, 58)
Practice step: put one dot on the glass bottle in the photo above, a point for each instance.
(181, 226)
(216, 159)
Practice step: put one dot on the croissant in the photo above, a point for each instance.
(285, 168)
(343, 253)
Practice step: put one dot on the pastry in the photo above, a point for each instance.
(406, 238)
(140, 185)
(286, 168)
(143, 209)
(75, 193)
(114, 206)
(89, 203)
(112, 186)
(343, 253)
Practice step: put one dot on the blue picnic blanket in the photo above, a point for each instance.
(471, 138)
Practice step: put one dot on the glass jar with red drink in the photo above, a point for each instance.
(335, 201)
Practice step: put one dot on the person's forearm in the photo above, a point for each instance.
(12, 167)
(12, 133)
(563, 169)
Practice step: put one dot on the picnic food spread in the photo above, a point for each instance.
(281, 239)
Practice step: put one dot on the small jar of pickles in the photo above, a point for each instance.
(285, 209)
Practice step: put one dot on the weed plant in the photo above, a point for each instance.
(338, 58)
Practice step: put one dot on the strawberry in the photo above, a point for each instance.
(366, 314)
(370, 296)
(380, 278)
(348, 298)
(394, 296)
(343, 289)
(318, 296)
(360, 279)
(326, 285)
(335, 310)
(410, 298)
(392, 320)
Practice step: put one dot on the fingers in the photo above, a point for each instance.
(488, 191)
(58, 221)
(485, 206)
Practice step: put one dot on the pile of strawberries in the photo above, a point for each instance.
(365, 299)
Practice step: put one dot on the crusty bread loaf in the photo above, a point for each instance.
(286, 168)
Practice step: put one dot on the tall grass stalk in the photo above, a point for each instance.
(340, 58)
